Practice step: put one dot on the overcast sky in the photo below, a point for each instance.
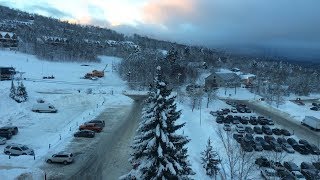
(284, 27)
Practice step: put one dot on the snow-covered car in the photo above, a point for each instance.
(18, 149)
(61, 157)
(227, 127)
(234, 110)
(240, 128)
(44, 108)
(3, 140)
(269, 173)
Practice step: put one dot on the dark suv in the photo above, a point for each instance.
(6, 134)
(14, 129)
(291, 166)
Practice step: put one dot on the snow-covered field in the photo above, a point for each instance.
(67, 92)
(74, 107)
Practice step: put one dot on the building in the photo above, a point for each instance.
(247, 79)
(222, 79)
(7, 73)
(8, 39)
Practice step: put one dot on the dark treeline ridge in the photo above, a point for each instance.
(52, 39)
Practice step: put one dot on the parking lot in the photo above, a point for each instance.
(262, 135)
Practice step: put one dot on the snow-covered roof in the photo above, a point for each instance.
(7, 33)
(247, 76)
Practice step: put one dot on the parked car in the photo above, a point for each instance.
(253, 121)
(301, 149)
(14, 129)
(249, 130)
(257, 146)
(262, 121)
(285, 175)
(246, 147)
(266, 130)
(247, 110)
(316, 165)
(276, 146)
(276, 131)
(304, 142)
(244, 120)
(257, 130)
(307, 165)
(269, 122)
(277, 165)
(6, 134)
(241, 110)
(18, 149)
(292, 142)
(99, 122)
(219, 119)
(235, 121)
(3, 140)
(262, 161)
(238, 137)
(313, 149)
(291, 166)
(310, 174)
(239, 128)
(44, 108)
(61, 157)
(248, 138)
(234, 110)
(268, 173)
(285, 132)
(287, 147)
(315, 104)
(281, 140)
(314, 108)
(258, 139)
(269, 138)
(266, 146)
(227, 127)
(91, 126)
(84, 133)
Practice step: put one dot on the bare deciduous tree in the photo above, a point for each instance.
(238, 163)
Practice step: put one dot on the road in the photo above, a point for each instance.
(106, 156)
(300, 131)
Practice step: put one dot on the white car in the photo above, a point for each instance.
(44, 108)
(227, 127)
(234, 110)
(239, 128)
(61, 157)
(2, 140)
(18, 149)
(269, 173)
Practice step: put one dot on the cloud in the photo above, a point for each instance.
(286, 27)
(50, 11)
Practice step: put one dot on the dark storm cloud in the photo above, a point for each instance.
(285, 27)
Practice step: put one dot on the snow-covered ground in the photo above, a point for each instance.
(67, 92)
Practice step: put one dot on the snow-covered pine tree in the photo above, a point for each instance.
(158, 152)
(12, 90)
(21, 94)
(210, 160)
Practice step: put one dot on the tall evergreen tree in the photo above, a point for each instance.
(210, 160)
(158, 152)
(21, 94)
(12, 90)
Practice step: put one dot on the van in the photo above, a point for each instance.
(44, 108)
